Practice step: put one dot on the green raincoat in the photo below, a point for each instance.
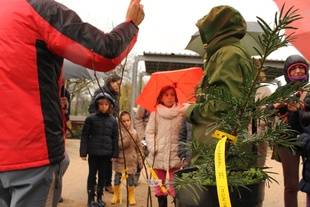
(226, 66)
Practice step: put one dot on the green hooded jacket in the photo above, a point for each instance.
(226, 66)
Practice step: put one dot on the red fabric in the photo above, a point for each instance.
(22, 136)
(22, 131)
(302, 40)
(162, 176)
(77, 53)
(184, 81)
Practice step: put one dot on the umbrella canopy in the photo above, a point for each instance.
(74, 71)
(249, 41)
(302, 40)
(184, 81)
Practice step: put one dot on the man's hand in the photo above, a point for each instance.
(135, 12)
(284, 118)
(64, 103)
(293, 106)
(279, 105)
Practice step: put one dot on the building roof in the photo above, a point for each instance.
(170, 61)
(155, 62)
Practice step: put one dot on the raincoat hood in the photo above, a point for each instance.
(291, 61)
(221, 23)
(227, 66)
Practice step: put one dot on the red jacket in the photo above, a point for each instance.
(35, 36)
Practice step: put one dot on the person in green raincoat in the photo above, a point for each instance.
(226, 65)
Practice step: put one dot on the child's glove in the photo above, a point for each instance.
(144, 148)
(184, 108)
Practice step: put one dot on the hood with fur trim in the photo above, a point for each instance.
(291, 61)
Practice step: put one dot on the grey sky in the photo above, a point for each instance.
(169, 24)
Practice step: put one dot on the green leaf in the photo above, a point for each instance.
(263, 24)
(282, 9)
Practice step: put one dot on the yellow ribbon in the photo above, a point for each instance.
(154, 176)
(220, 135)
(220, 167)
(124, 174)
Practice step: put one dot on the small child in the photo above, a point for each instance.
(128, 148)
(162, 137)
(100, 142)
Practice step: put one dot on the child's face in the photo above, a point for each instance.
(297, 71)
(168, 98)
(126, 121)
(103, 105)
(116, 86)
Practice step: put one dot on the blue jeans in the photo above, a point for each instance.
(118, 177)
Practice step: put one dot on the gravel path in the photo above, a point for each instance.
(74, 191)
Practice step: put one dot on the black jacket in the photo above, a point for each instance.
(296, 120)
(185, 137)
(100, 136)
(304, 149)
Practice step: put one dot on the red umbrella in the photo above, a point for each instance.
(184, 81)
(302, 40)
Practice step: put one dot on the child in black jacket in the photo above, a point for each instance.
(100, 142)
(304, 149)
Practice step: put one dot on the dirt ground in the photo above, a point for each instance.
(74, 190)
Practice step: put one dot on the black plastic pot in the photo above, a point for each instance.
(206, 196)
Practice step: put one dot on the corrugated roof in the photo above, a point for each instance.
(171, 61)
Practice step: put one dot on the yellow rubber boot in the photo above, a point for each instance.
(117, 197)
(131, 195)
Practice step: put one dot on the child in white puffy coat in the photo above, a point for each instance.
(162, 137)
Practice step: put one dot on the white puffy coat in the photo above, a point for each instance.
(165, 123)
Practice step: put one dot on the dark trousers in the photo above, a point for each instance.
(97, 164)
(290, 165)
(108, 176)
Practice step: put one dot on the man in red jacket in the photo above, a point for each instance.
(35, 37)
